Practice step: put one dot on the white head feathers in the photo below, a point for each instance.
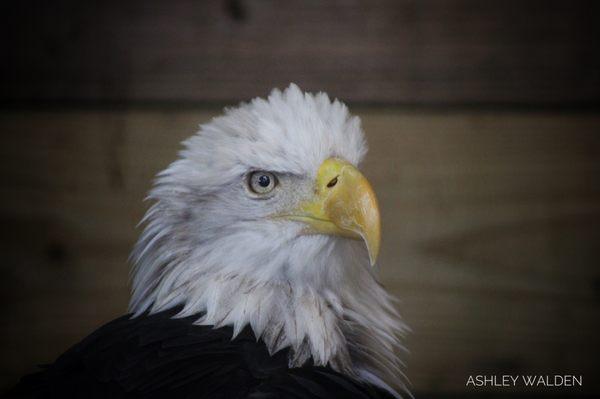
(213, 249)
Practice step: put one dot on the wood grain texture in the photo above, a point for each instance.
(535, 52)
(491, 231)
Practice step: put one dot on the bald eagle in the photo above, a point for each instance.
(253, 276)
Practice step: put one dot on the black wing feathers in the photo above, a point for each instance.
(157, 356)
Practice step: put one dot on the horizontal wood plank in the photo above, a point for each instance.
(384, 51)
(491, 231)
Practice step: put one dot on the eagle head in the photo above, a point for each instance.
(266, 221)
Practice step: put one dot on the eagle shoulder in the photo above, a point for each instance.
(159, 356)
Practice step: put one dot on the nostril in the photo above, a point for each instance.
(332, 182)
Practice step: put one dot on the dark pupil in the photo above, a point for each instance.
(264, 181)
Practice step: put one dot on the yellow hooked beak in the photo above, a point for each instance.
(344, 204)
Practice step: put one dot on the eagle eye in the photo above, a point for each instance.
(262, 182)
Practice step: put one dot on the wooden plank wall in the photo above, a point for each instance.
(483, 124)
(491, 231)
(376, 51)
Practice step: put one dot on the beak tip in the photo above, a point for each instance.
(373, 251)
(372, 259)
